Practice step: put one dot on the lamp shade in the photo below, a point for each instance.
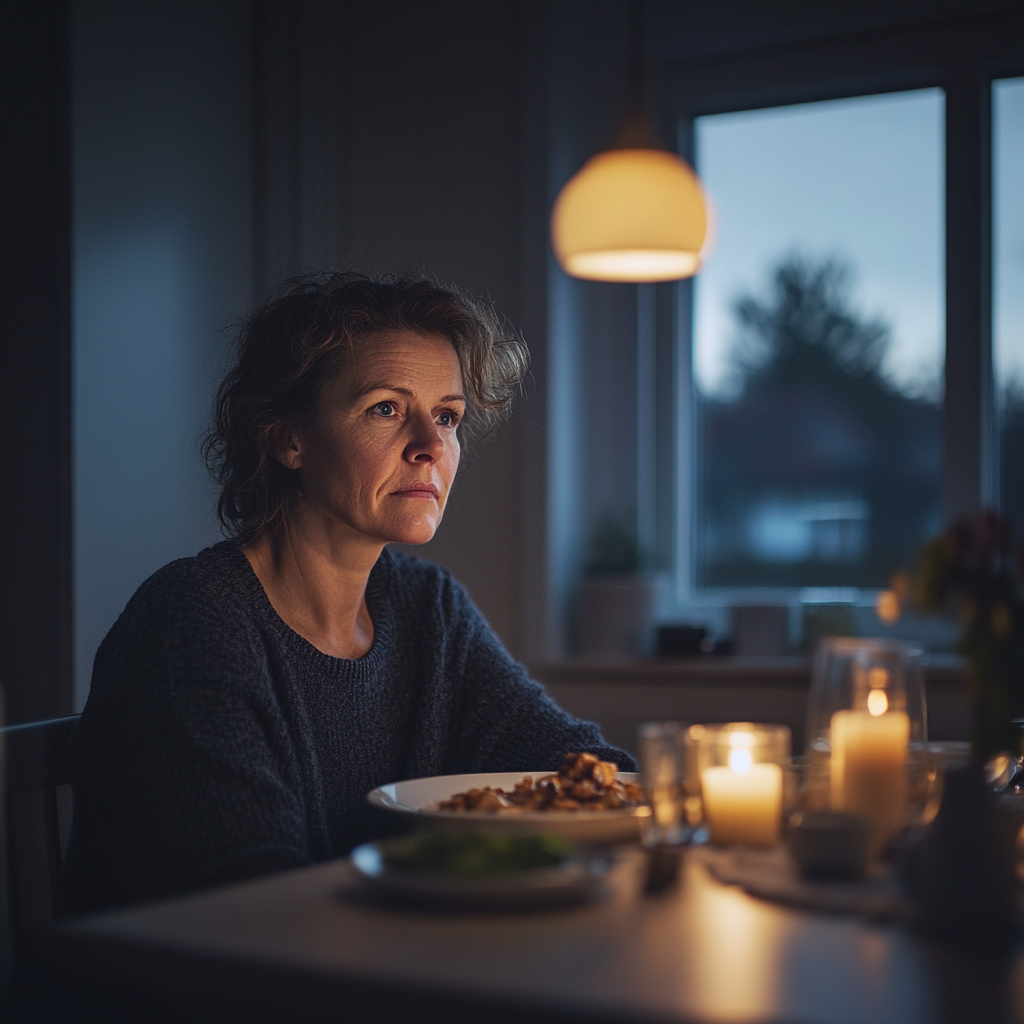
(630, 215)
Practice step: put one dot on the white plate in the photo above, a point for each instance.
(575, 881)
(420, 797)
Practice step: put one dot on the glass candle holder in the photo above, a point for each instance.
(663, 773)
(867, 728)
(741, 767)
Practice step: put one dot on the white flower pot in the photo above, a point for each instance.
(617, 616)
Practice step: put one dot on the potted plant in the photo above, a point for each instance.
(619, 594)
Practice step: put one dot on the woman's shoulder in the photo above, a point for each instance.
(212, 584)
(194, 619)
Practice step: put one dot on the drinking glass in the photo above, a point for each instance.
(663, 773)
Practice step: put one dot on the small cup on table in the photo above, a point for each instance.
(663, 769)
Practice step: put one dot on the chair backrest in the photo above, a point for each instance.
(36, 765)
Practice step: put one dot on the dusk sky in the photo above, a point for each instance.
(858, 179)
(1008, 234)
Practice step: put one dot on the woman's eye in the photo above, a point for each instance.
(448, 419)
(385, 409)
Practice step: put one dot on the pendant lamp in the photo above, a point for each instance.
(635, 212)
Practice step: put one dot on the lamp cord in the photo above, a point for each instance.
(638, 130)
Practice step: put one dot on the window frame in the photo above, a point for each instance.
(962, 57)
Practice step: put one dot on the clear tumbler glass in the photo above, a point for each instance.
(663, 772)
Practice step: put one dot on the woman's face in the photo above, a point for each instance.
(382, 452)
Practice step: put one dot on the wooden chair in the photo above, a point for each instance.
(38, 809)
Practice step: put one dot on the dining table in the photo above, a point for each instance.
(313, 944)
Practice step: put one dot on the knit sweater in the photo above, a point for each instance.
(217, 744)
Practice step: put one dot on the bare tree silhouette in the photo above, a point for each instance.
(811, 417)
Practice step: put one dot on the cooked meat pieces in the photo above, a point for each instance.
(585, 790)
(583, 783)
(580, 766)
(485, 799)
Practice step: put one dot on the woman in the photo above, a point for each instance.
(248, 698)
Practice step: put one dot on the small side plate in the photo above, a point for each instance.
(578, 880)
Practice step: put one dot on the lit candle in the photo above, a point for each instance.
(869, 765)
(743, 800)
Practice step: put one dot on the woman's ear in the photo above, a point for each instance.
(286, 444)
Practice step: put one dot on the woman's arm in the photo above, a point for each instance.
(181, 764)
(508, 721)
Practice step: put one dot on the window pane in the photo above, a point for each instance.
(818, 342)
(1008, 281)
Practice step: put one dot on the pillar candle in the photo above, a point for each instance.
(743, 806)
(869, 769)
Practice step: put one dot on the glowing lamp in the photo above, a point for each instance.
(632, 215)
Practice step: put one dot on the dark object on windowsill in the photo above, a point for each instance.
(663, 864)
(829, 844)
(680, 641)
(961, 872)
(723, 647)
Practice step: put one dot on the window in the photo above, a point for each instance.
(862, 176)
(818, 342)
(1008, 290)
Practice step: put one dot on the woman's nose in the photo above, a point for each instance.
(426, 443)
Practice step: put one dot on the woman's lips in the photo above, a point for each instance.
(417, 491)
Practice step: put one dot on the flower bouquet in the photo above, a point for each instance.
(971, 571)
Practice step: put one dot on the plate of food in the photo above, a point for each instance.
(586, 801)
(479, 870)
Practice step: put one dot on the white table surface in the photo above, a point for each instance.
(703, 952)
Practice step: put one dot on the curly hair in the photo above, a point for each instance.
(289, 348)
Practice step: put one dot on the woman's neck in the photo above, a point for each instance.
(317, 585)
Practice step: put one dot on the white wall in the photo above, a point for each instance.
(433, 182)
(162, 263)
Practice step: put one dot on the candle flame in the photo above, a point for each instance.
(740, 761)
(878, 703)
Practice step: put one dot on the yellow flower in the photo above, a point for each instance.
(887, 605)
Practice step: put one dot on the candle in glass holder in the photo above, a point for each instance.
(743, 797)
(866, 724)
(869, 765)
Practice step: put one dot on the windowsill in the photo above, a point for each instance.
(942, 671)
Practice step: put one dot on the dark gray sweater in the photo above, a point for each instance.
(218, 744)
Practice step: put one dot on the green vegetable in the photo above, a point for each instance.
(474, 854)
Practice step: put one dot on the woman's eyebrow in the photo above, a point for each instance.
(367, 389)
